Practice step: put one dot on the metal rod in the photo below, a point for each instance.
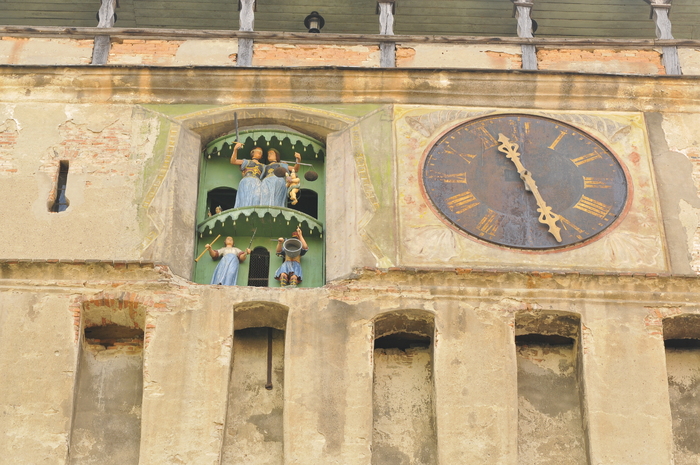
(268, 386)
(295, 162)
(252, 237)
(235, 120)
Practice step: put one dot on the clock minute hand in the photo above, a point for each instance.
(546, 215)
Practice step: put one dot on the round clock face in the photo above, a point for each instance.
(524, 181)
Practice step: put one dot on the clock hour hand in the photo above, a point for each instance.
(547, 216)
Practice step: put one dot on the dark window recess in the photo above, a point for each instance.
(223, 197)
(259, 268)
(551, 339)
(401, 341)
(110, 334)
(682, 343)
(308, 203)
(61, 202)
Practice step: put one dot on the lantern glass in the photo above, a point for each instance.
(314, 22)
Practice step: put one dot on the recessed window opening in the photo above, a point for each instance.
(112, 334)
(682, 343)
(223, 198)
(259, 270)
(550, 339)
(404, 424)
(682, 346)
(256, 398)
(402, 341)
(307, 203)
(550, 416)
(106, 425)
(61, 202)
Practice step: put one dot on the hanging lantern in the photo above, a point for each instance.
(314, 22)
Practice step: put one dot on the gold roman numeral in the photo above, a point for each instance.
(597, 183)
(462, 202)
(586, 158)
(566, 224)
(489, 141)
(557, 140)
(489, 223)
(593, 207)
(467, 157)
(460, 178)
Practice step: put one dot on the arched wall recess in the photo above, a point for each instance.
(550, 414)
(169, 225)
(254, 418)
(404, 428)
(109, 387)
(682, 346)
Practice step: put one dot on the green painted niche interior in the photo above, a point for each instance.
(218, 185)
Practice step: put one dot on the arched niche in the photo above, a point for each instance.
(682, 346)
(170, 204)
(259, 267)
(260, 314)
(258, 224)
(403, 393)
(254, 418)
(223, 198)
(550, 414)
(109, 386)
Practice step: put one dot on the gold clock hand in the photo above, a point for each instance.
(547, 216)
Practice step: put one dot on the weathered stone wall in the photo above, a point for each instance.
(328, 363)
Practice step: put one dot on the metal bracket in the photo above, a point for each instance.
(255, 5)
(393, 5)
(517, 3)
(662, 6)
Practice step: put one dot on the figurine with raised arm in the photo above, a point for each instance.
(274, 185)
(291, 251)
(226, 272)
(248, 194)
(293, 186)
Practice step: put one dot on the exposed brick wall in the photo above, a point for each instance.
(8, 139)
(143, 52)
(507, 60)
(404, 54)
(103, 152)
(315, 55)
(601, 61)
(45, 51)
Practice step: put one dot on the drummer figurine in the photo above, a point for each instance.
(291, 250)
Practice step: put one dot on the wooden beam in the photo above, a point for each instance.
(659, 13)
(100, 50)
(246, 21)
(386, 10)
(522, 10)
(306, 38)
